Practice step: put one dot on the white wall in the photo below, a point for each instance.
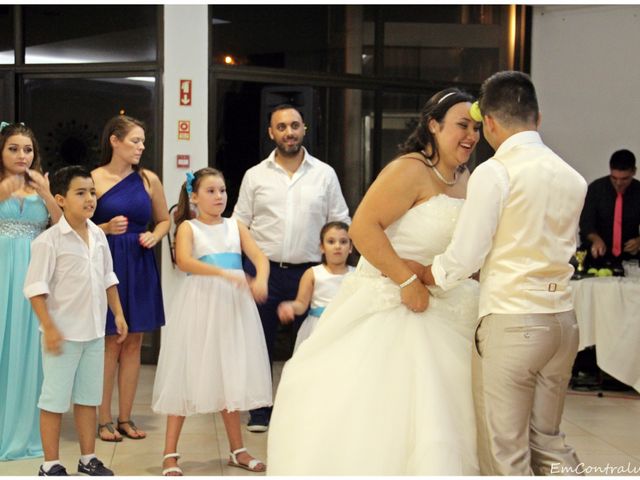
(185, 57)
(584, 63)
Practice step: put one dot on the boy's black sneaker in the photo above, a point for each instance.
(95, 468)
(259, 420)
(56, 471)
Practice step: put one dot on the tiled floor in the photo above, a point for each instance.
(604, 430)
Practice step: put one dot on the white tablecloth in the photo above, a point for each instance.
(608, 313)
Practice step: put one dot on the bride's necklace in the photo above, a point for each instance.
(451, 183)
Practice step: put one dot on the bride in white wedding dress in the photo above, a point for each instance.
(383, 386)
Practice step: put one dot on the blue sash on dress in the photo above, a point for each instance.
(227, 261)
(316, 311)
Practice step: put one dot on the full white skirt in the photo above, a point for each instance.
(213, 354)
(378, 389)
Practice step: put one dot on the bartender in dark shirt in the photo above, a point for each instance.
(617, 191)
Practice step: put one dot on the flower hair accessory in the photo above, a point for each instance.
(475, 112)
(189, 185)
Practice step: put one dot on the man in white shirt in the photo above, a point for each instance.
(284, 201)
(518, 225)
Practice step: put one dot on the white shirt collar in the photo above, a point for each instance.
(65, 227)
(520, 138)
(307, 159)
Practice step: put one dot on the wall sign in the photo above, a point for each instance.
(185, 93)
(183, 161)
(184, 130)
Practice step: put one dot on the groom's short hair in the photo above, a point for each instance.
(510, 97)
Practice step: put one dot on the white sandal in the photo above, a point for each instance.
(176, 469)
(253, 463)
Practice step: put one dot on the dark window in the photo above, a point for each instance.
(443, 43)
(68, 114)
(453, 14)
(7, 54)
(90, 33)
(314, 38)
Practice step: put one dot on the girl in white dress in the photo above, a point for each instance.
(383, 386)
(320, 284)
(213, 356)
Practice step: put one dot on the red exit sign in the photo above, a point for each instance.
(185, 93)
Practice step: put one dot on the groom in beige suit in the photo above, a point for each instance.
(518, 226)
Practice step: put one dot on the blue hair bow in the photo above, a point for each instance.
(189, 184)
(3, 125)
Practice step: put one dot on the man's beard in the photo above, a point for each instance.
(288, 150)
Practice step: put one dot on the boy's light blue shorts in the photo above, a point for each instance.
(74, 376)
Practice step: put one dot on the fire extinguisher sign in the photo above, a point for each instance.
(185, 93)
(184, 130)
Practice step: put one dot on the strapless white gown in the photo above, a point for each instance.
(379, 389)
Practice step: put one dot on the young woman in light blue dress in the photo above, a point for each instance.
(26, 207)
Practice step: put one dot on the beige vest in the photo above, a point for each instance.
(527, 270)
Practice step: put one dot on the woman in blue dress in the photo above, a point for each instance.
(26, 205)
(130, 198)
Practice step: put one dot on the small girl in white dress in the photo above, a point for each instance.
(213, 356)
(320, 284)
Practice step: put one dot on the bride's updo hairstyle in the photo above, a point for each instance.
(421, 139)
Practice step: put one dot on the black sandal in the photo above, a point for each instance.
(109, 426)
(122, 431)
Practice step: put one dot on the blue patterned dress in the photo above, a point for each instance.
(21, 220)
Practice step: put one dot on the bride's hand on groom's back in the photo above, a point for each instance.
(415, 296)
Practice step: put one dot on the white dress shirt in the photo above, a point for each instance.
(487, 191)
(285, 214)
(74, 277)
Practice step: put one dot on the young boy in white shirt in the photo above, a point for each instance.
(69, 282)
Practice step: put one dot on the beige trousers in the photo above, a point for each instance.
(521, 370)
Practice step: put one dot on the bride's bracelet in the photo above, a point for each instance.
(408, 281)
